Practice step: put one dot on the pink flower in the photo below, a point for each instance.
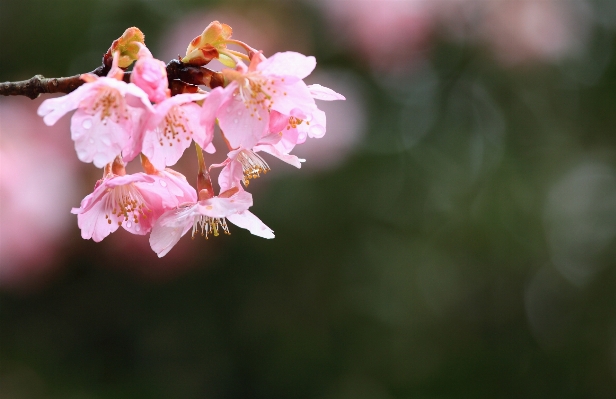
(209, 216)
(293, 129)
(524, 31)
(240, 165)
(38, 177)
(150, 75)
(104, 122)
(131, 201)
(391, 35)
(243, 164)
(169, 130)
(267, 84)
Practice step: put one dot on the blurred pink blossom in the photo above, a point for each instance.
(393, 34)
(38, 178)
(523, 31)
(389, 34)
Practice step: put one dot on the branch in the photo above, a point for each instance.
(176, 70)
(38, 84)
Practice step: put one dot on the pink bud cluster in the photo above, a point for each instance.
(263, 106)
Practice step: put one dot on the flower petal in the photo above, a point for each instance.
(250, 222)
(93, 223)
(168, 230)
(242, 127)
(230, 176)
(288, 64)
(324, 93)
(291, 98)
(97, 140)
(288, 158)
(223, 207)
(53, 109)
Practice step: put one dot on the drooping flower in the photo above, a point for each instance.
(172, 126)
(104, 122)
(243, 165)
(209, 217)
(131, 201)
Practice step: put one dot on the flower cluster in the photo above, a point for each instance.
(263, 105)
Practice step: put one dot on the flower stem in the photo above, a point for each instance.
(204, 182)
(241, 44)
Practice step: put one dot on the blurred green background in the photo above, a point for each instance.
(452, 236)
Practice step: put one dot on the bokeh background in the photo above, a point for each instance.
(452, 236)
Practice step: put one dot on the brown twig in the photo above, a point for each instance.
(176, 70)
(38, 84)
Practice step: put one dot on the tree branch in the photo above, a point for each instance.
(176, 70)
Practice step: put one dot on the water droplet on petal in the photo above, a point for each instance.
(87, 123)
(129, 224)
(239, 113)
(163, 183)
(91, 141)
(137, 228)
(228, 109)
(235, 120)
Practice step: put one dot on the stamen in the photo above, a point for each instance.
(173, 126)
(111, 105)
(125, 202)
(294, 122)
(252, 165)
(209, 225)
(254, 90)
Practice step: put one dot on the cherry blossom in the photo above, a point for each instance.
(263, 106)
(131, 201)
(171, 127)
(244, 164)
(267, 84)
(240, 165)
(104, 121)
(209, 217)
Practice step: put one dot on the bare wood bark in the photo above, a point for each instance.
(176, 70)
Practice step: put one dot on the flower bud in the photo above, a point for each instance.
(204, 48)
(128, 47)
(150, 75)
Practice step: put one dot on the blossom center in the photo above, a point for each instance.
(173, 127)
(256, 91)
(110, 103)
(126, 204)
